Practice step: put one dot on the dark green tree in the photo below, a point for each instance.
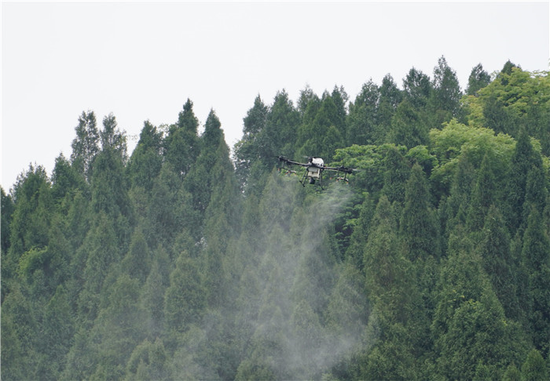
(19, 328)
(536, 255)
(512, 374)
(56, 334)
(247, 151)
(66, 179)
(279, 135)
(137, 262)
(417, 88)
(469, 325)
(182, 145)
(170, 210)
(321, 135)
(534, 368)
(152, 296)
(390, 98)
(186, 297)
(7, 209)
(146, 160)
(112, 138)
(418, 229)
(408, 126)
(99, 253)
(360, 236)
(444, 102)
(523, 159)
(362, 118)
(536, 191)
(86, 144)
(149, 361)
(499, 263)
(396, 174)
(477, 80)
(483, 196)
(119, 327)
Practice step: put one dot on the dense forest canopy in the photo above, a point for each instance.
(186, 260)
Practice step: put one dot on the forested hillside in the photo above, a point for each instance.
(185, 260)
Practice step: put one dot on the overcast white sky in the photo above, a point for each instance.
(141, 61)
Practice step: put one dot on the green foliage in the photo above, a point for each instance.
(146, 160)
(182, 145)
(534, 367)
(477, 80)
(179, 262)
(185, 299)
(86, 144)
(536, 254)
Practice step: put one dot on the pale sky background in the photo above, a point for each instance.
(142, 61)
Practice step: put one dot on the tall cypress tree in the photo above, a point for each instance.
(444, 102)
(86, 144)
(482, 197)
(185, 299)
(418, 229)
(522, 160)
(182, 145)
(536, 255)
(499, 263)
(362, 118)
(146, 159)
(390, 98)
(477, 80)
(247, 150)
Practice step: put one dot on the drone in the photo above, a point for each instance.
(314, 170)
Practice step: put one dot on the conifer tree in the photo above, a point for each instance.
(65, 179)
(247, 150)
(534, 367)
(390, 98)
(469, 324)
(279, 135)
(136, 263)
(321, 135)
(460, 193)
(19, 327)
(185, 299)
(149, 361)
(30, 219)
(169, 210)
(100, 252)
(152, 299)
(396, 174)
(362, 118)
(86, 144)
(119, 327)
(146, 160)
(408, 127)
(499, 263)
(417, 228)
(417, 88)
(477, 80)
(482, 197)
(360, 236)
(57, 333)
(182, 145)
(444, 102)
(522, 161)
(392, 290)
(536, 192)
(536, 254)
